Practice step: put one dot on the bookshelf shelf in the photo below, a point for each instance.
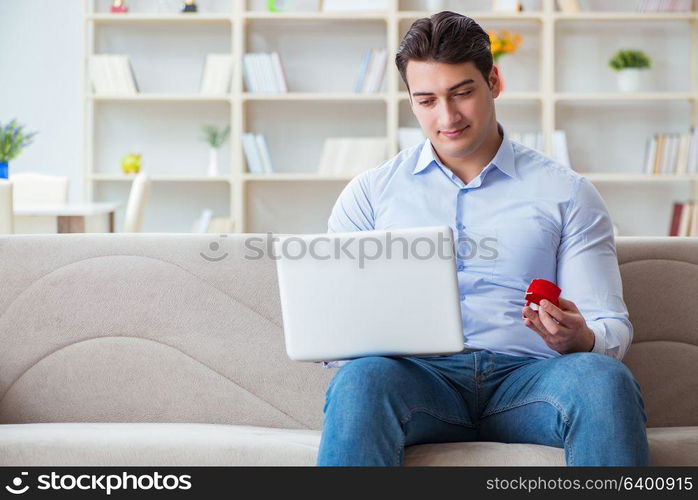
(297, 122)
(161, 178)
(157, 18)
(626, 16)
(482, 15)
(625, 96)
(315, 96)
(317, 16)
(300, 177)
(160, 97)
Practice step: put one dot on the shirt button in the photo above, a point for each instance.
(461, 267)
(462, 297)
(460, 226)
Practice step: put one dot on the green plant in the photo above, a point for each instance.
(626, 58)
(215, 136)
(13, 140)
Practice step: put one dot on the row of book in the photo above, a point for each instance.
(684, 219)
(349, 156)
(327, 5)
(372, 71)
(112, 74)
(207, 223)
(573, 6)
(263, 72)
(672, 153)
(256, 152)
(665, 5)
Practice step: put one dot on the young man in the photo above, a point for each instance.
(551, 377)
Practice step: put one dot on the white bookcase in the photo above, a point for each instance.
(559, 79)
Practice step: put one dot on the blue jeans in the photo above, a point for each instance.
(587, 403)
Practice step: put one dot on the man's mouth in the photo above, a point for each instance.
(453, 134)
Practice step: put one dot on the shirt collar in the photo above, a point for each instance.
(503, 160)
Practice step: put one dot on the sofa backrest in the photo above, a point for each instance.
(187, 328)
(147, 328)
(660, 288)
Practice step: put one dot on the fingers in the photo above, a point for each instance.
(552, 326)
(532, 320)
(567, 305)
(555, 312)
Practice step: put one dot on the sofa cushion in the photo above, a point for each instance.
(150, 444)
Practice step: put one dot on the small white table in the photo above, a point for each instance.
(67, 218)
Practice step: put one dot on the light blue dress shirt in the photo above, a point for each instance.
(523, 217)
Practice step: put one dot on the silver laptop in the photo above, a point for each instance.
(386, 293)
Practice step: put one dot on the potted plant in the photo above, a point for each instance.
(503, 42)
(13, 140)
(629, 64)
(215, 138)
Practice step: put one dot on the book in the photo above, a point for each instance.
(376, 78)
(281, 82)
(252, 156)
(217, 74)
(650, 154)
(362, 71)
(99, 78)
(354, 5)
(220, 225)
(560, 152)
(568, 6)
(685, 221)
(692, 166)
(675, 219)
(256, 153)
(264, 72)
(349, 156)
(201, 224)
(263, 151)
(682, 155)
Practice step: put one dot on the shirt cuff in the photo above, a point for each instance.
(599, 338)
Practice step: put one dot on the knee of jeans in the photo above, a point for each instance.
(606, 376)
(363, 379)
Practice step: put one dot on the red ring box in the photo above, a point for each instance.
(542, 289)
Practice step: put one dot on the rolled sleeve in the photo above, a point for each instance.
(588, 271)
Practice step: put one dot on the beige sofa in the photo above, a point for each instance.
(137, 349)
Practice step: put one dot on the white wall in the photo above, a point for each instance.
(40, 83)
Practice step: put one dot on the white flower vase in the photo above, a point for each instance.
(213, 162)
(434, 6)
(629, 80)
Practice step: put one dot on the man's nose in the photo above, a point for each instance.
(449, 114)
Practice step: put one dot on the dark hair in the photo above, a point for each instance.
(445, 37)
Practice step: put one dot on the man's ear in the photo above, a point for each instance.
(495, 81)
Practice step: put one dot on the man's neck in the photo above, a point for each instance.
(466, 169)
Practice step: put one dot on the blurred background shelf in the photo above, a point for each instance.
(559, 80)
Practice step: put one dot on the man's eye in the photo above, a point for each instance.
(468, 92)
(425, 103)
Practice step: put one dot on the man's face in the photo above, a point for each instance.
(454, 104)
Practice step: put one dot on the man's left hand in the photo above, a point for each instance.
(562, 328)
